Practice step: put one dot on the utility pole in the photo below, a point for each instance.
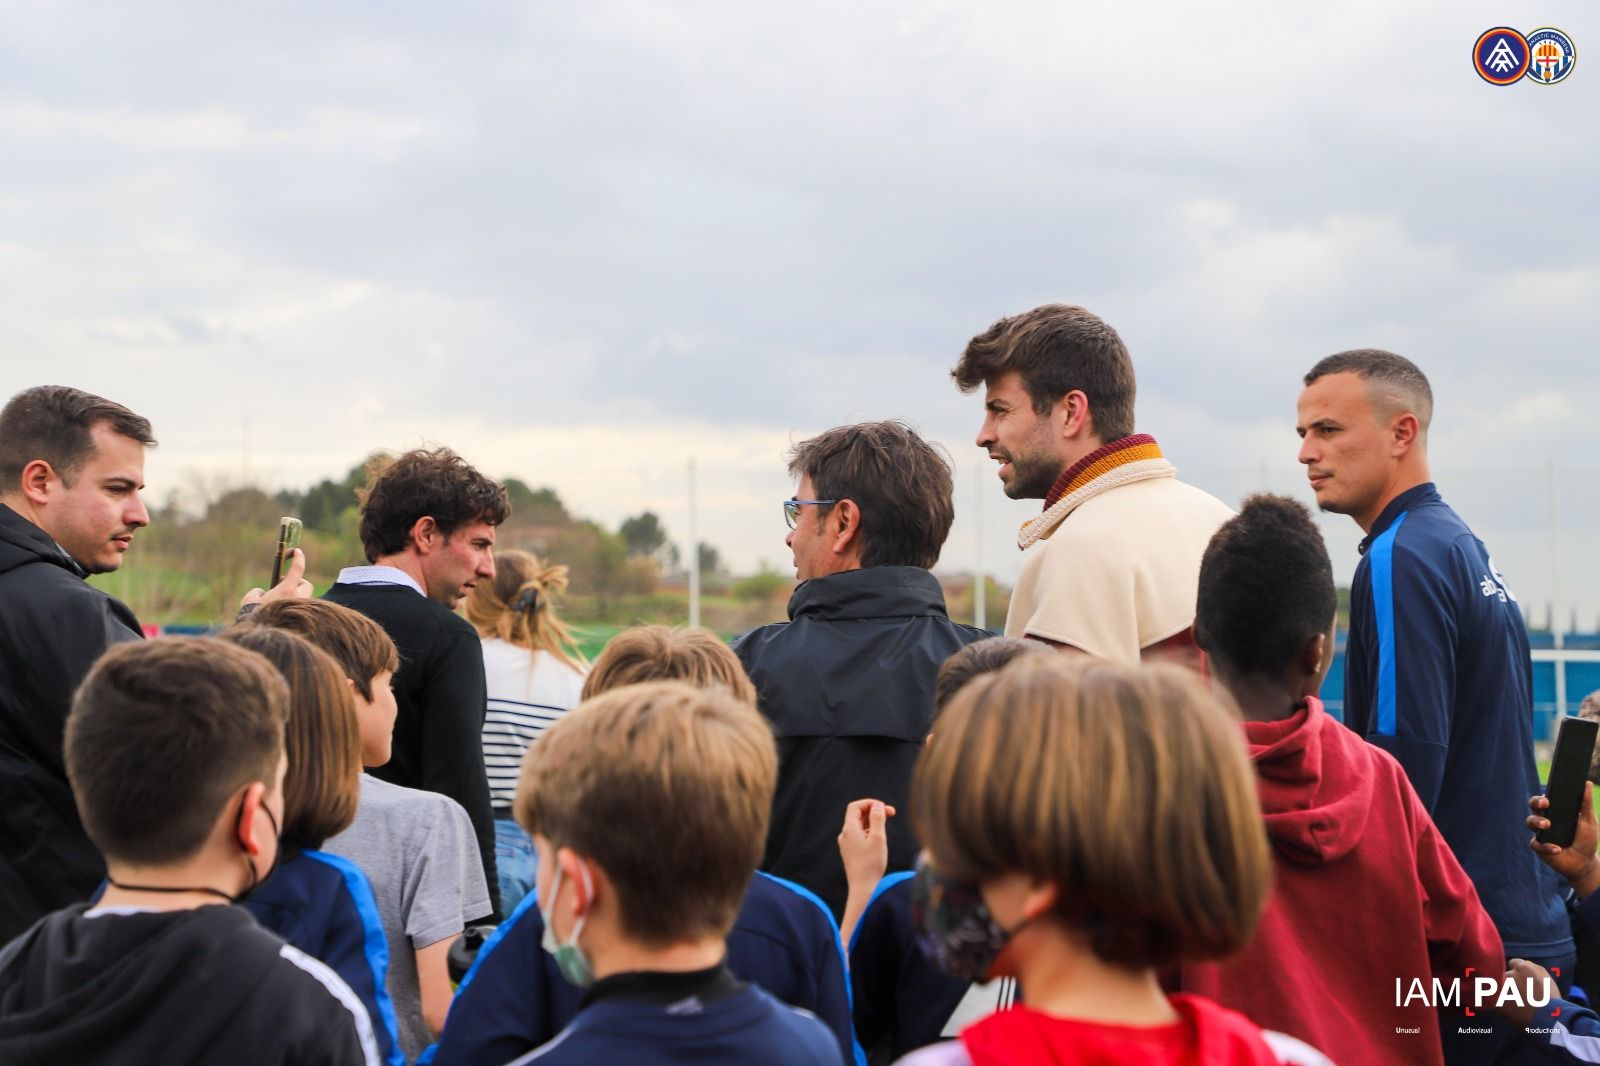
(694, 550)
(980, 598)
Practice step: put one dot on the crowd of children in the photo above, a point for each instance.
(1040, 856)
(1118, 863)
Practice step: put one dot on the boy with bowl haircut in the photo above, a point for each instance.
(175, 753)
(640, 917)
(415, 847)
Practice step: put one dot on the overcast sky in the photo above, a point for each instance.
(583, 243)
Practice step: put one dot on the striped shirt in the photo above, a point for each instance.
(527, 691)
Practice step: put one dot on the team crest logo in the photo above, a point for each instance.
(1551, 55)
(1501, 56)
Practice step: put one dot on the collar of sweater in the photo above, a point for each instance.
(1128, 459)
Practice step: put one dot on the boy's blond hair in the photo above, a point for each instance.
(668, 788)
(1129, 789)
(656, 653)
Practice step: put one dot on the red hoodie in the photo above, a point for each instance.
(1365, 891)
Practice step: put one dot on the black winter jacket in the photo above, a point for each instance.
(181, 988)
(53, 626)
(847, 685)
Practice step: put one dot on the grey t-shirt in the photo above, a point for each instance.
(418, 850)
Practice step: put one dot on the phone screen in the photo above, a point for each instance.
(1569, 769)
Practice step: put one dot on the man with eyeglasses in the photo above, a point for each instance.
(847, 683)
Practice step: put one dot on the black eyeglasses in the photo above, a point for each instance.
(791, 509)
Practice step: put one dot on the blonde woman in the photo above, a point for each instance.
(535, 675)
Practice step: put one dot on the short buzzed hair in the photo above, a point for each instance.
(1394, 381)
(55, 423)
(162, 733)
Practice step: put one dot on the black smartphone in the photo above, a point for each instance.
(1569, 771)
(288, 540)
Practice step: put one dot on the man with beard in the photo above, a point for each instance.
(1115, 557)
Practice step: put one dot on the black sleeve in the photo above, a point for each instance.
(66, 635)
(452, 703)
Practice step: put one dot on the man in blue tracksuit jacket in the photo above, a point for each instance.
(1437, 668)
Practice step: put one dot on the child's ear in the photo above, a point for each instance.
(1041, 899)
(580, 873)
(255, 796)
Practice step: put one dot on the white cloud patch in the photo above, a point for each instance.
(584, 242)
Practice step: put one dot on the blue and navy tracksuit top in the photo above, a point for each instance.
(902, 1001)
(708, 1018)
(514, 999)
(323, 905)
(1438, 673)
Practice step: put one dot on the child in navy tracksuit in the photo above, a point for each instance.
(902, 1001)
(648, 807)
(783, 938)
(319, 903)
(514, 998)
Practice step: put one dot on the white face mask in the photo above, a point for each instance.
(570, 959)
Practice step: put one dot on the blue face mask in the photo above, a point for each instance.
(570, 959)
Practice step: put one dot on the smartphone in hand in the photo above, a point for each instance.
(1569, 770)
(288, 539)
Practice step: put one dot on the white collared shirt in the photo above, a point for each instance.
(378, 575)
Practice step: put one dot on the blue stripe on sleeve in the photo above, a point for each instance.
(375, 944)
(838, 943)
(883, 886)
(1382, 556)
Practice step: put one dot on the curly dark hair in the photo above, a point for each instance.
(1266, 588)
(426, 483)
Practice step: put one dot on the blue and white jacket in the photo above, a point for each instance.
(323, 905)
(1438, 673)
